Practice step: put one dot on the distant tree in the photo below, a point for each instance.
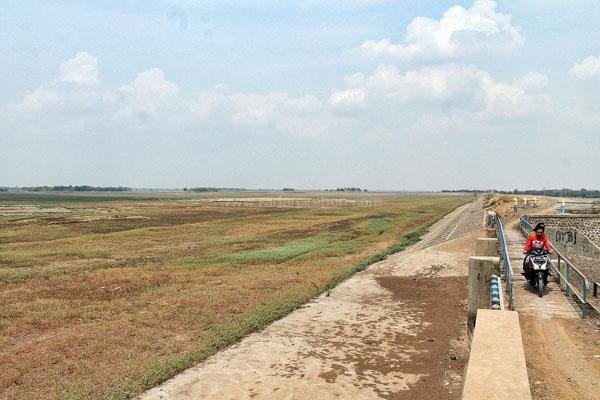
(71, 188)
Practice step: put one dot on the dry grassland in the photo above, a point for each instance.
(106, 295)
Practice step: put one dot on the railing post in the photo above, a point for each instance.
(558, 271)
(568, 279)
(586, 286)
(510, 293)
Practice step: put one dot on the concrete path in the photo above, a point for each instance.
(396, 330)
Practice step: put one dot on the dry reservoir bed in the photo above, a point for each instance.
(120, 292)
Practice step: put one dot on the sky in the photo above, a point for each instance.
(379, 94)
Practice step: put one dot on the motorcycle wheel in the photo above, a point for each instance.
(540, 283)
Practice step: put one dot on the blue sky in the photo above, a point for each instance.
(310, 94)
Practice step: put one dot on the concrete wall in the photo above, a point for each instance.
(496, 368)
(571, 241)
(588, 225)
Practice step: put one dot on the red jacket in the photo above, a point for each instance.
(534, 243)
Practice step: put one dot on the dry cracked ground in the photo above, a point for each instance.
(396, 330)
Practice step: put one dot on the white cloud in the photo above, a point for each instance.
(152, 102)
(151, 83)
(278, 110)
(532, 81)
(388, 84)
(251, 108)
(148, 96)
(347, 100)
(589, 68)
(443, 98)
(55, 100)
(372, 108)
(388, 100)
(41, 98)
(459, 32)
(354, 80)
(82, 69)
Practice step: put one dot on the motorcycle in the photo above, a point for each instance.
(538, 262)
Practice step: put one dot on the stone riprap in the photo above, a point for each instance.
(588, 225)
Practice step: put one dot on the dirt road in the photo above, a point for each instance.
(396, 330)
(563, 357)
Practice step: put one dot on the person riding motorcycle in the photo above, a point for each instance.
(536, 241)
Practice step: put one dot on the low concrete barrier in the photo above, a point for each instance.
(481, 270)
(487, 247)
(496, 369)
(489, 233)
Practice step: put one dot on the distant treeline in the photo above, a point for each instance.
(285, 189)
(70, 188)
(469, 191)
(543, 192)
(213, 189)
(346, 189)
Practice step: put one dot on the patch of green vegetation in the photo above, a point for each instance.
(21, 275)
(279, 254)
(338, 248)
(378, 226)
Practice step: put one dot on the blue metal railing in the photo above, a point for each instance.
(569, 278)
(506, 265)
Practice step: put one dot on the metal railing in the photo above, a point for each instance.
(569, 278)
(506, 265)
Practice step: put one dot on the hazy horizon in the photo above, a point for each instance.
(378, 94)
